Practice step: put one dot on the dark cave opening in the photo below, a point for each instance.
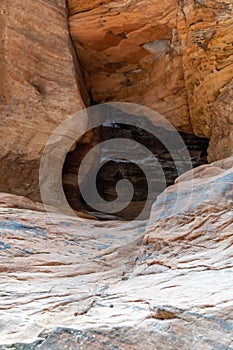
(118, 168)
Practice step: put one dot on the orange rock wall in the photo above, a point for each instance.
(205, 30)
(175, 57)
(38, 87)
(130, 51)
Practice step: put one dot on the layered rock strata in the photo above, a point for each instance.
(83, 284)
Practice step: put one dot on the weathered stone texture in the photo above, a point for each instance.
(130, 51)
(175, 57)
(88, 285)
(38, 87)
(205, 30)
(221, 144)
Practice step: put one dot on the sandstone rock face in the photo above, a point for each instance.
(205, 30)
(221, 144)
(74, 284)
(130, 51)
(175, 57)
(38, 87)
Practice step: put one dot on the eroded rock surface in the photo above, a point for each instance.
(205, 29)
(221, 143)
(175, 57)
(83, 284)
(38, 87)
(130, 51)
(80, 283)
